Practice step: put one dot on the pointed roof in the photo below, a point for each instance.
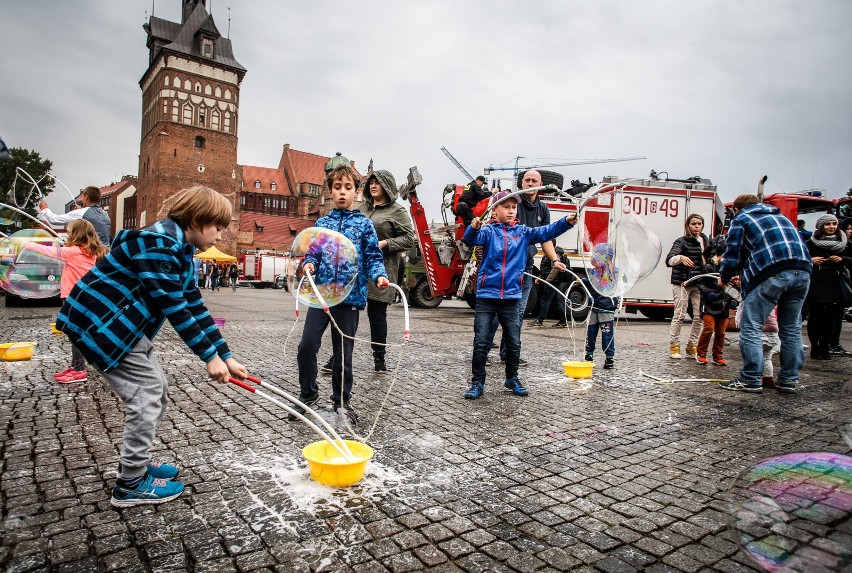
(302, 167)
(185, 39)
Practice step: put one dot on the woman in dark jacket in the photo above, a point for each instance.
(835, 348)
(686, 258)
(826, 247)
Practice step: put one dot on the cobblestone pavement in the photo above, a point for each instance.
(619, 475)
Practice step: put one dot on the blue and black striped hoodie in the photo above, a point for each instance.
(145, 279)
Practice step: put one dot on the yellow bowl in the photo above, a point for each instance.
(14, 351)
(578, 369)
(328, 467)
(55, 330)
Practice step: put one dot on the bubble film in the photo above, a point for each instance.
(336, 266)
(24, 272)
(792, 512)
(621, 255)
(844, 412)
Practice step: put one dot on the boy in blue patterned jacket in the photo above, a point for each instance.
(499, 282)
(356, 227)
(114, 312)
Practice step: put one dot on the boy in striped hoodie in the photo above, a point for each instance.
(114, 312)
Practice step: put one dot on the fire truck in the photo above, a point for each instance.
(262, 269)
(663, 205)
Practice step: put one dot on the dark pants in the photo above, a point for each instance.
(547, 295)
(78, 361)
(465, 211)
(715, 326)
(505, 312)
(822, 322)
(377, 313)
(607, 329)
(522, 306)
(316, 322)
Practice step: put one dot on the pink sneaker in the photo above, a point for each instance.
(62, 373)
(73, 376)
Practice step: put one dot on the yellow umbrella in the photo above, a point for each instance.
(214, 254)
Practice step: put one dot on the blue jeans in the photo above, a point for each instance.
(505, 312)
(606, 325)
(786, 290)
(522, 306)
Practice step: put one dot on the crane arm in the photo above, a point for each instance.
(491, 168)
(457, 164)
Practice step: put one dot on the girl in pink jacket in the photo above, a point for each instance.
(80, 253)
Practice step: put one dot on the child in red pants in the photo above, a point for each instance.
(715, 307)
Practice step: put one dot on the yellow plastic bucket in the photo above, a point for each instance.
(14, 351)
(329, 468)
(578, 368)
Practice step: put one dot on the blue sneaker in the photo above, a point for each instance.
(516, 387)
(150, 490)
(162, 471)
(475, 391)
(735, 384)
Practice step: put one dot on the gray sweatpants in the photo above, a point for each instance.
(141, 384)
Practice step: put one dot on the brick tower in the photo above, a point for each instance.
(190, 110)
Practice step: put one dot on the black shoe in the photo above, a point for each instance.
(837, 351)
(310, 402)
(536, 322)
(327, 368)
(609, 363)
(379, 364)
(348, 411)
(588, 358)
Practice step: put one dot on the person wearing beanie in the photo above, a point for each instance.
(766, 251)
(835, 348)
(826, 247)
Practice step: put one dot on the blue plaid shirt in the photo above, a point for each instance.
(760, 243)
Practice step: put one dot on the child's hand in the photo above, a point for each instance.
(476, 223)
(382, 282)
(571, 218)
(308, 268)
(218, 370)
(236, 369)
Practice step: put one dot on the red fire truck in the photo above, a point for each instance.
(262, 269)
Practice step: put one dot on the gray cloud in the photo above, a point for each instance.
(723, 89)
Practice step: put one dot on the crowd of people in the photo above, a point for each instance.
(116, 300)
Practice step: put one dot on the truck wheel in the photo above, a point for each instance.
(421, 296)
(11, 300)
(657, 313)
(547, 178)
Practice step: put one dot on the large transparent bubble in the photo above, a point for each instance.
(26, 273)
(792, 512)
(620, 255)
(335, 261)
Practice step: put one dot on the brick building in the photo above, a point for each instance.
(114, 200)
(190, 111)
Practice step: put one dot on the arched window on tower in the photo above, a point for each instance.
(202, 116)
(228, 121)
(165, 108)
(187, 114)
(218, 92)
(198, 87)
(166, 81)
(214, 120)
(174, 110)
(207, 89)
(187, 85)
(227, 94)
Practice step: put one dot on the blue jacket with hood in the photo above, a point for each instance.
(358, 229)
(504, 258)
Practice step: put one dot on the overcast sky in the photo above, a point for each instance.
(728, 90)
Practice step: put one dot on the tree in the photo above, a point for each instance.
(19, 192)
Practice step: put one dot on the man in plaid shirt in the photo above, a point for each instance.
(766, 251)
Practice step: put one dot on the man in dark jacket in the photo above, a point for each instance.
(473, 193)
(767, 252)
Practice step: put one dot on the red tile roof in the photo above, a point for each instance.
(276, 228)
(113, 188)
(302, 167)
(267, 176)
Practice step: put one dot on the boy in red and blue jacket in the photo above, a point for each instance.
(499, 284)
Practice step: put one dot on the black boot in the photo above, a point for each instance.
(379, 364)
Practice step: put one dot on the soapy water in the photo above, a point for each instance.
(26, 273)
(622, 256)
(792, 512)
(336, 266)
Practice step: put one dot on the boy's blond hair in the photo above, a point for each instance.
(201, 206)
(340, 172)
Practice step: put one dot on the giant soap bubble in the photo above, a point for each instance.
(621, 255)
(792, 512)
(335, 262)
(26, 273)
